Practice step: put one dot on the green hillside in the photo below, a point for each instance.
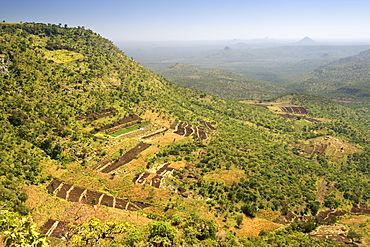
(346, 79)
(119, 156)
(225, 84)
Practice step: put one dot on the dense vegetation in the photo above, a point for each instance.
(225, 84)
(51, 74)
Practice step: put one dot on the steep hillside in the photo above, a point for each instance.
(92, 140)
(346, 79)
(225, 84)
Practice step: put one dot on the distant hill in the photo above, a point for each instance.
(345, 77)
(225, 84)
(362, 56)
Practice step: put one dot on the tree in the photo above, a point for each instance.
(161, 234)
(94, 231)
(20, 231)
(249, 210)
(239, 220)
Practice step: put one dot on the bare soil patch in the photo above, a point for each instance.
(95, 116)
(209, 125)
(294, 109)
(124, 159)
(253, 226)
(91, 197)
(336, 232)
(226, 176)
(125, 122)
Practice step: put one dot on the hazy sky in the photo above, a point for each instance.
(201, 19)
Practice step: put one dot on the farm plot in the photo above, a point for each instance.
(142, 131)
(56, 229)
(185, 129)
(129, 129)
(124, 159)
(363, 208)
(208, 124)
(335, 232)
(156, 179)
(141, 179)
(95, 116)
(324, 216)
(289, 116)
(125, 122)
(294, 109)
(314, 148)
(85, 196)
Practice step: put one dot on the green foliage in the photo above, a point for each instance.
(161, 234)
(135, 127)
(20, 231)
(94, 232)
(239, 220)
(303, 226)
(225, 84)
(287, 238)
(249, 210)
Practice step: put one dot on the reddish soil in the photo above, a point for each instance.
(324, 216)
(185, 129)
(125, 122)
(54, 48)
(107, 201)
(98, 115)
(294, 109)
(92, 197)
(140, 205)
(142, 178)
(188, 130)
(154, 134)
(74, 195)
(60, 229)
(362, 209)
(202, 134)
(53, 185)
(181, 129)
(62, 193)
(127, 157)
(164, 169)
(156, 181)
(312, 120)
(208, 124)
(121, 204)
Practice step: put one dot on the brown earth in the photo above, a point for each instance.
(125, 158)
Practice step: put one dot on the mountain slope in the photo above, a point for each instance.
(347, 78)
(225, 84)
(64, 91)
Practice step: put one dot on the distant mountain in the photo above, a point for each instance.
(306, 41)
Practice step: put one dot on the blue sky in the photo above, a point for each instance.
(152, 20)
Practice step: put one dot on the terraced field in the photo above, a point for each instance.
(81, 195)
